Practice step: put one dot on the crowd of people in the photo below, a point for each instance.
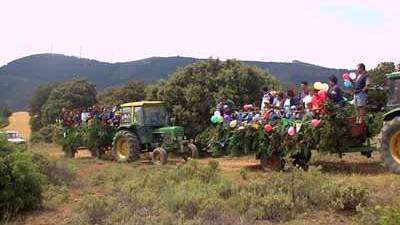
(307, 103)
(78, 117)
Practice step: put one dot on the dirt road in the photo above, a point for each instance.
(19, 121)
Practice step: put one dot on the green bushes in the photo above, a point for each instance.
(20, 181)
(380, 215)
(47, 134)
(196, 194)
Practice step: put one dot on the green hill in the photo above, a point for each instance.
(19, 78)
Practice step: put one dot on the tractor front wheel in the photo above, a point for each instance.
(125, 146)
(159, 156)
(389, 144)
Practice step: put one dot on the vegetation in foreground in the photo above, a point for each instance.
(91, 191)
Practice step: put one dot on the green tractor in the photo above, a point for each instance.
(144, 128)
(389, 141)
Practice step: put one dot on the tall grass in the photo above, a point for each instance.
(196, 194)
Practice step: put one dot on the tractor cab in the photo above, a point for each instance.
(146, 113)
(394, 90)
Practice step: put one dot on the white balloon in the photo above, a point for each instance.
(353, 75)
(233, 123)
(217, 113)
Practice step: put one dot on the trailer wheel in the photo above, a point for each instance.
(125, 146)
(192, 152)
(389, 144)
(159, 156)
(272, 162)
(301, 159)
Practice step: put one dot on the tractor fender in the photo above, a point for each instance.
(391, 114)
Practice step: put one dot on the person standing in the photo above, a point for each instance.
(267, 98)
(360, 88)
(302, 93)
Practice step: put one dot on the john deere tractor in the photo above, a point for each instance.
(144, 128)
(389, 143)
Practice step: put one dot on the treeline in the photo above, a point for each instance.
(5, 112)
(190, 93)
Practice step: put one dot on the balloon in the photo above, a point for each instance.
(347, 84)
(346, 76)
(325, 87)
(217, 113)
(353, 75)
(285, 122)
(255, 126)
(227, 118)
(247, 107)
(315, 123)
(291, 131)
(233, 123)
(214, 119)
(317, 85)
(267, 128)
(220, 119)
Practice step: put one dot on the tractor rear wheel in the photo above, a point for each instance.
(159, 156)
(272, 162)
(389, 144)
(125, 146)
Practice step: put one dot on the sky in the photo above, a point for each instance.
(337, 34)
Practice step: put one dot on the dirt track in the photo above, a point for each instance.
(19, 121)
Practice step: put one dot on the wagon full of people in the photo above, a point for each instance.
(287, 124)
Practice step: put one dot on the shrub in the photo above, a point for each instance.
(380, 215)
(342, 196)
(95, 209)
(20, 181)
(56, 173)
(192, 193)
(48, 134)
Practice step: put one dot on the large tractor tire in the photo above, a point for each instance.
(192, 152)
(389, 144)
(159, 156)
(272, 162)
(125, 147)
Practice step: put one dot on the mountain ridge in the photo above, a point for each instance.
(19, 78)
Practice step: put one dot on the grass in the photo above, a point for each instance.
(352, 190)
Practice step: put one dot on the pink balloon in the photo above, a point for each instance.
(291, 131)
(247, 107)
(315, 123)
(346, 76)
